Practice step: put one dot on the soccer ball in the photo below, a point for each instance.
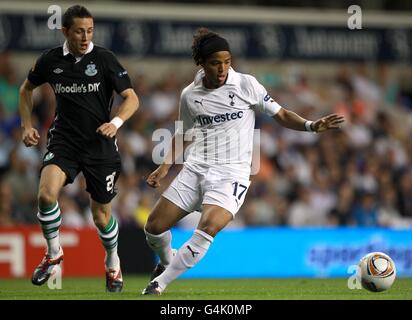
(377, 271)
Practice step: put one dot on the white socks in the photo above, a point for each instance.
(161, 245)
(188, 255)
(109, 237)
(53, 246)
(112, 260)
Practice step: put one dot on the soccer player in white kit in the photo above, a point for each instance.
(218, 108)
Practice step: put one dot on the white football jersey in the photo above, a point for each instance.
(221, 122)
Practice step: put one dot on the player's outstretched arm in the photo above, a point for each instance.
(331, 121)
(30, 135)
(128, 107)
(291, 120)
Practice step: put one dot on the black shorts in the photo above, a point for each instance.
(101, 176)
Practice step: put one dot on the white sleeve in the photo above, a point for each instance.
(186, 120)
(262, 100)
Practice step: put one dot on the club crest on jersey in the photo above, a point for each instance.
(91, 70)
(232, 96)
(49, 156)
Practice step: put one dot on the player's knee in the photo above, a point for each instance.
(210, 229)
(153, 226)
(46, 197)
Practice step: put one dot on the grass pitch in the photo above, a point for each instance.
(205, 289)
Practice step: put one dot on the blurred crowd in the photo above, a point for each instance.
(360, 175)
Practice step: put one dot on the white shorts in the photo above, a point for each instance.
(191, 189)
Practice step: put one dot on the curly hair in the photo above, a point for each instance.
(201, 34)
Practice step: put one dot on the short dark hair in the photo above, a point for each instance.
(76, 11)
(201, 34)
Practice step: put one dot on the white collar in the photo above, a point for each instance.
(66, 50)
(231, 77)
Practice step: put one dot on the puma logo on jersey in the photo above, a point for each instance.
(199, 102)
(192, 252)
(205, 119)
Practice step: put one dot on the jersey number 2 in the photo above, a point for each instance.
(110, 182)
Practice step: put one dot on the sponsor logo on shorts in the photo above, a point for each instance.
(122, 73)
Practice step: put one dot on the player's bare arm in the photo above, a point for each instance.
(331, 121)
(174, 153)
(126, 110)
(30, 135)
(291, 120)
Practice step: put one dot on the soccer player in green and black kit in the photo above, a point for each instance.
(81, 137)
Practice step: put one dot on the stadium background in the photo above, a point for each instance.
(318, 202)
